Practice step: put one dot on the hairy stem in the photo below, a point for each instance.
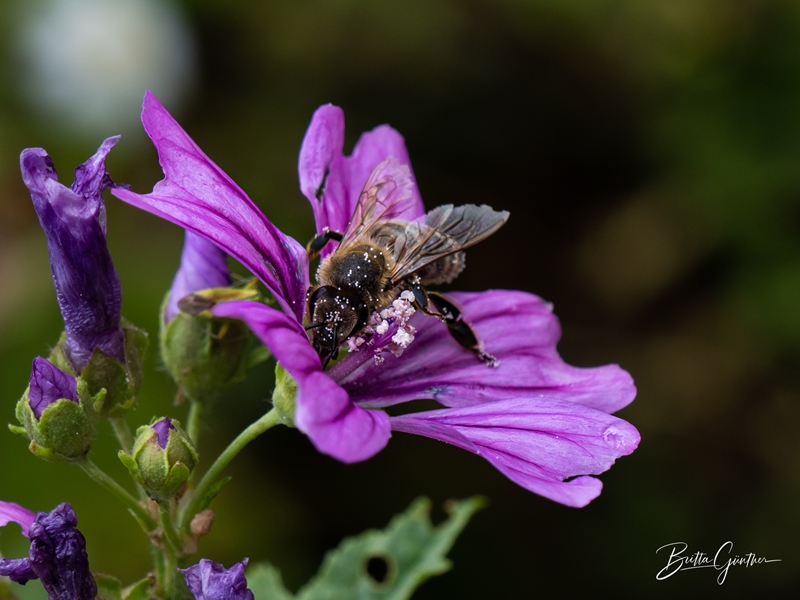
(139, 512)
(193, 422)
(171, 536)
(123, 433)
(255, 429)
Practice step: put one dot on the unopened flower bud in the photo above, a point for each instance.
(57, 413)
(162, 458)
(205, 354)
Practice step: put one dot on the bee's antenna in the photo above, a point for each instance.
(314, 326)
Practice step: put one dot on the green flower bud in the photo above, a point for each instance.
(57, 413)
(120, 380)
(205, 354)
(162, 458)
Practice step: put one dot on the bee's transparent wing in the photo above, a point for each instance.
(446, 230)
(384, 197)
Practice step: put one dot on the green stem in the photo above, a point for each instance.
(171, 537)
(167, 582)
(194, 421)
(140, 512)
(123, 433)
(254, 430)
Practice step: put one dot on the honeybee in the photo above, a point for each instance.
(379, 256)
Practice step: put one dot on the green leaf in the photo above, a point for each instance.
(391, 564)
(265, 582)
(141, 590)
(108, 587)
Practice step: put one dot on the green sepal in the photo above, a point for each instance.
(108, 587)
(160, 471)
(141, 590)
(17, 429)
(130, 464)
(66, 430)
(120, 380)
(284, 396)
(411, 549)
(176, 477)
(205, 354)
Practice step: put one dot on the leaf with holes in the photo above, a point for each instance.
(391, 564)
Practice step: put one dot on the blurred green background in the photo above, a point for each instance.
(649, 154)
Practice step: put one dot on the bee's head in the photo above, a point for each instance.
(334, 316)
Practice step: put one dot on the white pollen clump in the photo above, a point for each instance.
(394, 317)
(402, 338)
(354, 342)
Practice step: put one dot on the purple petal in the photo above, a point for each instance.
(203, 266)
(197, 195)
(517, 328)
(49, 383)
(14, 513)
(87, 287)
(209, 580)
(321, 168)
(17, 569)
(536, 442)
(91, 177)
(162, 427)
(372, 148)
(333, 183)
(324, 411)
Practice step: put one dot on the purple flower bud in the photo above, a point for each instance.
(48, 384)
(73, 219)
(57, 557)
(162, 428)
(208, 580)
(203, 265)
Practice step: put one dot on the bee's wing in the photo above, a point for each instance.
(446, 230)
(384, 197)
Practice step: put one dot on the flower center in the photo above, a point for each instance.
(387, 330)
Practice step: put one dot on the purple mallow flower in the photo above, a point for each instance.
(48, 384)
(203, 266)
(209, 580)
(543, 423)
(57, 554)
(74, 221)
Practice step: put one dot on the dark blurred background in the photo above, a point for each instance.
(649, 155)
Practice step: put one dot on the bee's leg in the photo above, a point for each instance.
(421, 301)
(316, 245)
(460, 329)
